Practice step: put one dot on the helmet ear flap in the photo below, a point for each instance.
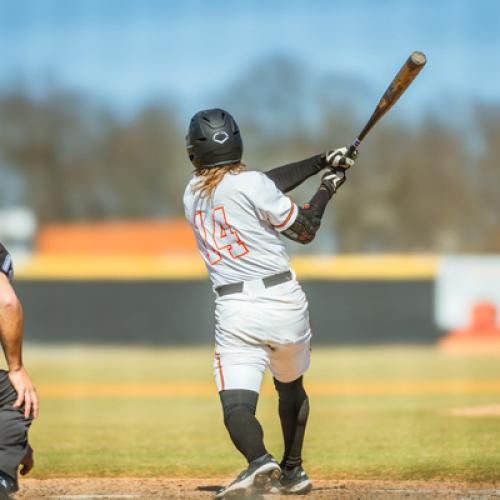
(213, 139)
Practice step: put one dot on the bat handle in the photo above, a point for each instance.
(353, 147)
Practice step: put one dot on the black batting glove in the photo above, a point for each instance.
(338, 158)
(332, 179)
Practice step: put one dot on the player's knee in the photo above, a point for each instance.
(13, 427)
(291, 391)
(13, 444)
(238, 402)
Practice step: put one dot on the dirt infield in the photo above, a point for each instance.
(142, 488)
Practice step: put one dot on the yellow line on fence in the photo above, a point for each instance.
(185, 267)
(201, 389)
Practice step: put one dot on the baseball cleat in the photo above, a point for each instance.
(293, 482)
(7, 486)
(4, 494)
(259, 475)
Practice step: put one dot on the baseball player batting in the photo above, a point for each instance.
(261, 312)
(18, 398)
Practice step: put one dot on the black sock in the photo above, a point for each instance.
(239, 417)
(293, 411)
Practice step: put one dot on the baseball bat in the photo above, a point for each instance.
(410, 69)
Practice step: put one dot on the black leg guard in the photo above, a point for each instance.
(294, 412)
(239, 407)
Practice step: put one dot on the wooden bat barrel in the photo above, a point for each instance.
(410, 69)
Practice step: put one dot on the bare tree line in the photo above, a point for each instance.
(420, 187)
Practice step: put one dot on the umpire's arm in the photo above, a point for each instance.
(11, 337)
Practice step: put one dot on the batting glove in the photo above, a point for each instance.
(332, 179)
(338, 158)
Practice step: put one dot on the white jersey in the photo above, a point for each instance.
(237, 228)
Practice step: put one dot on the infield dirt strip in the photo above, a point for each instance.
(130, 488)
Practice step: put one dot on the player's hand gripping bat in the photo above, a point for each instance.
(411, 68)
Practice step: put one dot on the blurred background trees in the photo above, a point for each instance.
(427, 185)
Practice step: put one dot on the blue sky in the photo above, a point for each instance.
(129, 52)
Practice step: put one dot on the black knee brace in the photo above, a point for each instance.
(239, 408)
(238, 400)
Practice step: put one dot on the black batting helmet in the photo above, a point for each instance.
(213, 139)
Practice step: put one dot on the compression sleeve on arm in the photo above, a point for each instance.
(320, 200)
(308, 219)
(288, 177)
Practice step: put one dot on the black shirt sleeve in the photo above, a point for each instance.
(6, 265)
(288, 177)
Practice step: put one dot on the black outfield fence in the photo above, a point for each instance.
(180, 312)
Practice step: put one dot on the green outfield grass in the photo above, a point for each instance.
(376, 413)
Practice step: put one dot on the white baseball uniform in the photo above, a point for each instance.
(237, 232)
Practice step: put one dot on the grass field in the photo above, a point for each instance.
(381, 413)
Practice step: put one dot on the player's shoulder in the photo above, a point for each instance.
(255, 175)
(251, 185)
(247, 180)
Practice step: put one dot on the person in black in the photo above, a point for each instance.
(18, 397)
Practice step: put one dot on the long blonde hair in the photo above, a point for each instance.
(210, 178)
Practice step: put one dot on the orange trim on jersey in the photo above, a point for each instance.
(287, 220)
(219, 367)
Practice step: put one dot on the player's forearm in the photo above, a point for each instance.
(330, 182)
(320, 200)
(288, 177)
(11, 327)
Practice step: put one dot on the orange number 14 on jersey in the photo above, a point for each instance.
(217, 235)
